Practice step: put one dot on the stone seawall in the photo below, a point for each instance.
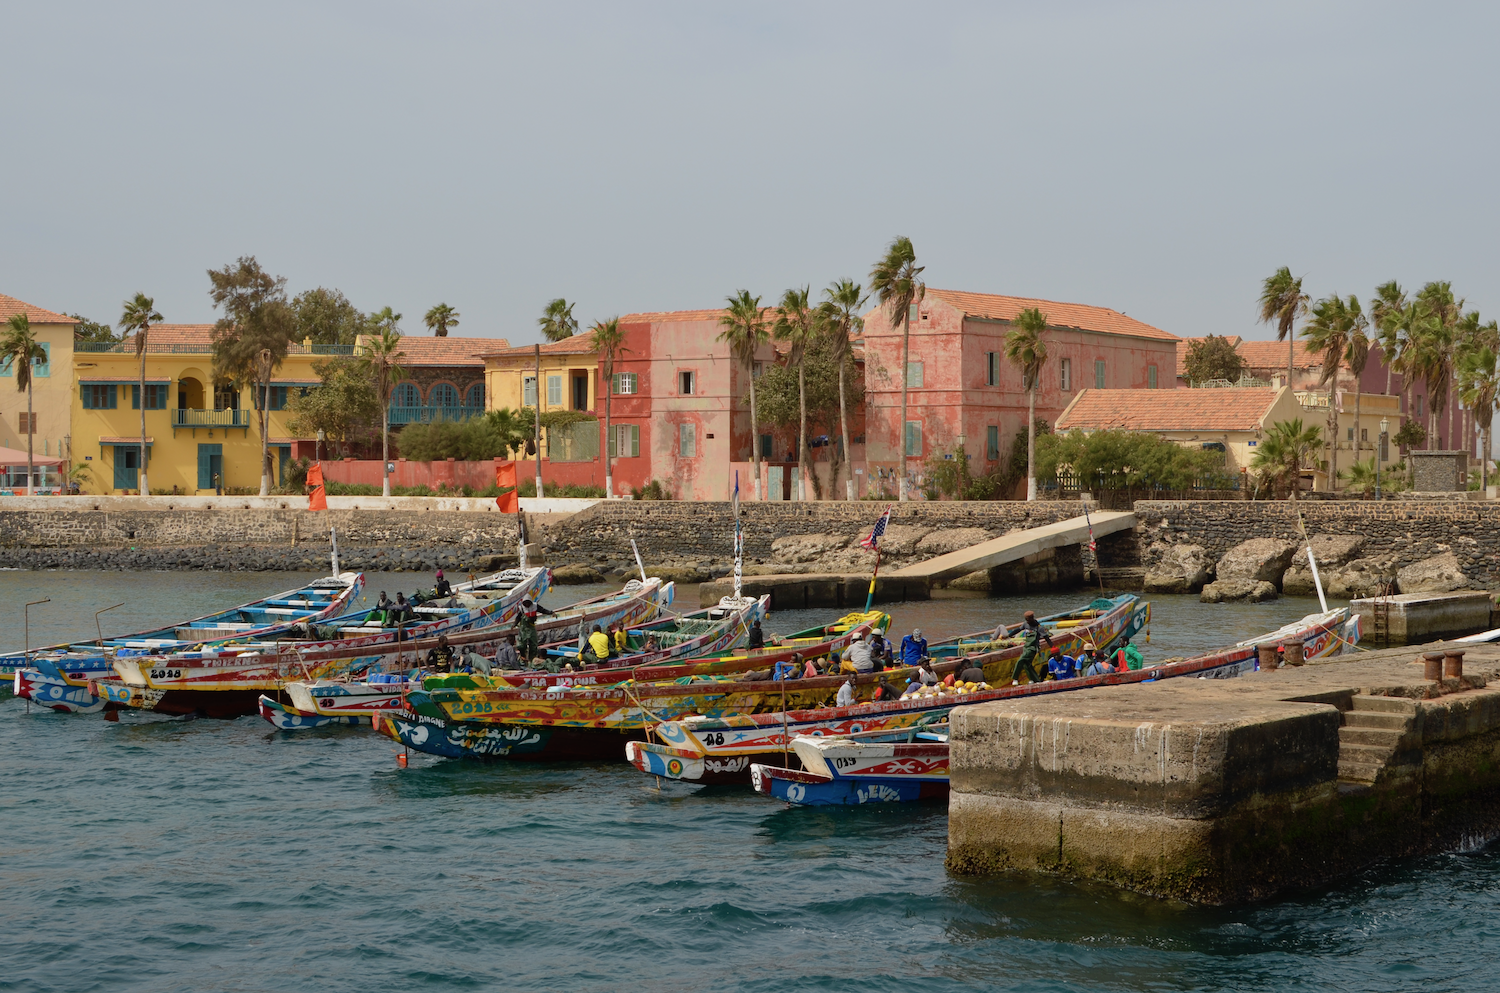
(254, 539)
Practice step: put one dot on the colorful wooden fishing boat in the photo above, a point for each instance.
(265, 618)
(637, 602)
(909, 767)
(286, 718)
(734, 742)
(586, 722)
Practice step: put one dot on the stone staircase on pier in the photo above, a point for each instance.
(1370, 735)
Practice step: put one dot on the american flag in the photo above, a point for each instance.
(873, 539)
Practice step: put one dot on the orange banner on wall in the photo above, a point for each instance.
(505, 476)
(318, 498)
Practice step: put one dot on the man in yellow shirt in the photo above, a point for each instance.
(599, 644)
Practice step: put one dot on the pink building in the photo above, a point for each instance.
(962, 391)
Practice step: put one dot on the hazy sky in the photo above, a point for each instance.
(1156, 158)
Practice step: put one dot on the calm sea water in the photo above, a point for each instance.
(168, 855)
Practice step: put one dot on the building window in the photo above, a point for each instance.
(1151, 377)
(1098, 374)
(687, 441)
(442, 395)
(911, 314)
(156, 397)
(992, 442)
(1364, 434)
(913, 439)
(1420, 398)
(624, 383)
(685, 383)
(406, 395)
(1066, 367)
(992, 368)
(624, 441)
(127, 466)
(528, 391)
(475, 396)
(765, 446)
(27, 423)
(98, 398)
(226, 396)
(757, 369)
(913, 375)
(279, 396)
(554, 391)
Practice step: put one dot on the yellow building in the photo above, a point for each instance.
(201, 435)
(51, 385)
(570, 374)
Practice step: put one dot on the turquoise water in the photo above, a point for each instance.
(170, 855)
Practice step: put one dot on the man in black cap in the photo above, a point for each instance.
(526, 641)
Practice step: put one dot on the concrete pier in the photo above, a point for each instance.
(1414, 618)
(1231, 791)
(798, 591)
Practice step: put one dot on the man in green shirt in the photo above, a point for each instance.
(1032, 636)
(1127, 656)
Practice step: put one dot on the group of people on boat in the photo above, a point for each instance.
(1091, 661)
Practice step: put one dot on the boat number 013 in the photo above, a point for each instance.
(166, 673)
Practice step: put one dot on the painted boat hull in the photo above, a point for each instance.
(55, 692)
(431, 733)
(285, 718)
(763, 737)
(642, 704)
(587, 722)
(805, 789)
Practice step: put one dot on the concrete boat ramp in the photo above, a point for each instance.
(795, 591)
(1235, 790)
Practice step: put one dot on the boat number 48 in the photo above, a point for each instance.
(714, 738)
(166, 673)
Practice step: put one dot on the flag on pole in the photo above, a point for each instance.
(872, 540)
(318, 498)
(739, 541)
(505, 476)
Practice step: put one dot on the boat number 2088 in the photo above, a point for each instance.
(166, 673)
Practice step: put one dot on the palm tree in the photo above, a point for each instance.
(380, 359)
(1441, 330)
(1282, 302)
(139, 314)
(1328, 333)
(1358, 356)
(609, 342)
(1386, 309)
(745, 331)
(794, 325)
(1026, 349)
(439, 319)
(20, 348)
(1362, 476)
(839, 313)
(1479, 387)
(557, 321)
(895, 284)
(1283, 451)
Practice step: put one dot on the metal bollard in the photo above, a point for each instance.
(1268, 659)
(1453, 664)
(1294, 653)
(1432, 666)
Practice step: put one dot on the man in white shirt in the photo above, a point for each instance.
(858, 655)
(846, 694)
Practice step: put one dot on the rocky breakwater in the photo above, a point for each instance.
(1239, 549)
(1230, 791)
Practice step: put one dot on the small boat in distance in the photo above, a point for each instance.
(875, 767)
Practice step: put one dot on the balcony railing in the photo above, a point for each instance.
(185, 418)
(427, 415)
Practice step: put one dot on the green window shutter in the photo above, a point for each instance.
(913, 438)
(1098, 374)
(913, 375)
(992, 442)
(135, 397)
(635, 440)
(613, 446)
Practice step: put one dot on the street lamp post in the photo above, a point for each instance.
(318, 448)
(1385, 426)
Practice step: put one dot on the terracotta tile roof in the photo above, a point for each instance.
(448, 351)
(1168, 410)
(1182, 350)
(1272, 355)
(579, 344)
(659, 316)
(10, 306)
(164, 336)
(1062, 315)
